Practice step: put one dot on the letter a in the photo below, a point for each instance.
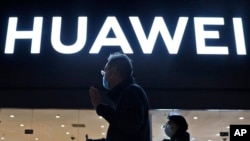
(111, 23)
(237, 132)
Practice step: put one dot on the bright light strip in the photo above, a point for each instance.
(239, 36)
(147, 41)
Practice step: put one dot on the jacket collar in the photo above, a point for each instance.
(115, 93)
(182, 135)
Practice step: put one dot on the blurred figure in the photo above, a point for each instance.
(176, 128)
(128, 115)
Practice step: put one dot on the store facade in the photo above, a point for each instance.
(187, 55)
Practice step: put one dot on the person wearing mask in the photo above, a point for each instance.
(128, 115)
(176, 128)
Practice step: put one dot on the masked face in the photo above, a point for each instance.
(170, 129)
(105, 83)
(108, 74)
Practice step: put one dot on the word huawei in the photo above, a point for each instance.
(146, 42)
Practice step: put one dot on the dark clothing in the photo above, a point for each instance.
(181, 137)
(128, 117)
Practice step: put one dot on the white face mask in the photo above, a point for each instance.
(105, 83)
(168, 131)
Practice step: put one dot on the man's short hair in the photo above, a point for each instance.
(122, 63)
(180, 121)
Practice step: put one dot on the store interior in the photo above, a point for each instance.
(75, 124)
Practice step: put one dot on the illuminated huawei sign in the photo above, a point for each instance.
(147, 42)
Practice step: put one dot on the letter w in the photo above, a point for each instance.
(159, 26)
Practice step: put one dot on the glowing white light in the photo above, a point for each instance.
(146, 41)
(159, 27)
(67, 133)
(12, 116)
(241, 118)
(102, 126)
(21, 125)
(239, 36)
(62, 125)
(81, 36)
(201, 35)
(119, 40)
(36, 139)
(195, 118)
(2, 138)
(34, 35)
(58, 116)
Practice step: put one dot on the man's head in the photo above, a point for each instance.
(175, 124)
(118, 68)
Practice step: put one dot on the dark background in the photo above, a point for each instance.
(185, 80)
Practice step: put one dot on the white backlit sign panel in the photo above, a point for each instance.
(146, 41)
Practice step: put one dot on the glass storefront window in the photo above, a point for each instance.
(74, 124)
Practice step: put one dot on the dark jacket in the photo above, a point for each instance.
(183, 136)
(128, 116)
